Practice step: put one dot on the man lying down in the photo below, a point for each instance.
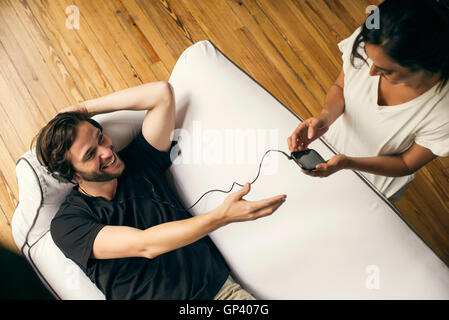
(130, 244)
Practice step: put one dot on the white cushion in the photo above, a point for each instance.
(333, 238)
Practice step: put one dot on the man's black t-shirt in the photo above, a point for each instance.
(196, 271)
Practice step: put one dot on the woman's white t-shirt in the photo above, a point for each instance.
(366, 129)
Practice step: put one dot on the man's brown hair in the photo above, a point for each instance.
(55, 139)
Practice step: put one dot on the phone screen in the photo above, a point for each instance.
(307, 159)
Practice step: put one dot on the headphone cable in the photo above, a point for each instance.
(218, 190)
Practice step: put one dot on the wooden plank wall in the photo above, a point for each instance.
(289, 46)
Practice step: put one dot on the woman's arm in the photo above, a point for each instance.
(315, 127)
(393, 166)
(334, 104)
(400, 165)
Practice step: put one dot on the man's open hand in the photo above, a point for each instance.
(234, 208)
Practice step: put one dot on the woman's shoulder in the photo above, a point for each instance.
(442, 106)
(353, 68)
(437, 117)
(347, 43)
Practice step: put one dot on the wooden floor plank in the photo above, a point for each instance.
(148, 33)
(94, 24)
(145, 61)
(345, 16)
(6, 239)
(28, 63)
(431, 225)
(324, 21)
(98, 52)
(168, 25)
(307, 48)
(316, 28)
(218, 23)
(356, 9)
(66, 85)
(46, 13)
(258, 65)
(184, 19)
(14, 111)
(19, 103)
(124, 15)
(8, 168)
(119, 30)
(444, 164)
(7, 199)
(308, 90)
(210, 14)
(71, 50)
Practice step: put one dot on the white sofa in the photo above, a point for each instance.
(334, 238)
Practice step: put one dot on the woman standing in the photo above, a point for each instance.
(387, 114)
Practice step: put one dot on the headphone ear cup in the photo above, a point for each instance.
(59, 177)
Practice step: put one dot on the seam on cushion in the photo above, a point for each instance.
(31, 228)
(381, 195)
(38, 271)
(40, 204)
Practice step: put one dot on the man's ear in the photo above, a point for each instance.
(76, 178)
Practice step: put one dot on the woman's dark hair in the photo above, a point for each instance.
(414, 33)
(55, 139)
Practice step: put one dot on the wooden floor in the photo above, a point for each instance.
(290, 47)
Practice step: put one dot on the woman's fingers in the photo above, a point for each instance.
(311, 132)
(314, 127)
(321, 171)
(290, 145)
(298, 139)
(307, 131)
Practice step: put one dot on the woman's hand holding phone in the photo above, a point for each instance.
(333, 165)
(308, 131)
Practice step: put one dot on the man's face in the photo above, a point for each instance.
(92, 155)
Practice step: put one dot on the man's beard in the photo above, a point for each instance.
(101, 177)
(95, 177)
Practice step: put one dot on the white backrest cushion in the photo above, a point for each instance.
(62, 276)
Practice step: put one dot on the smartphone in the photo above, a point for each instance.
(307, 159)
